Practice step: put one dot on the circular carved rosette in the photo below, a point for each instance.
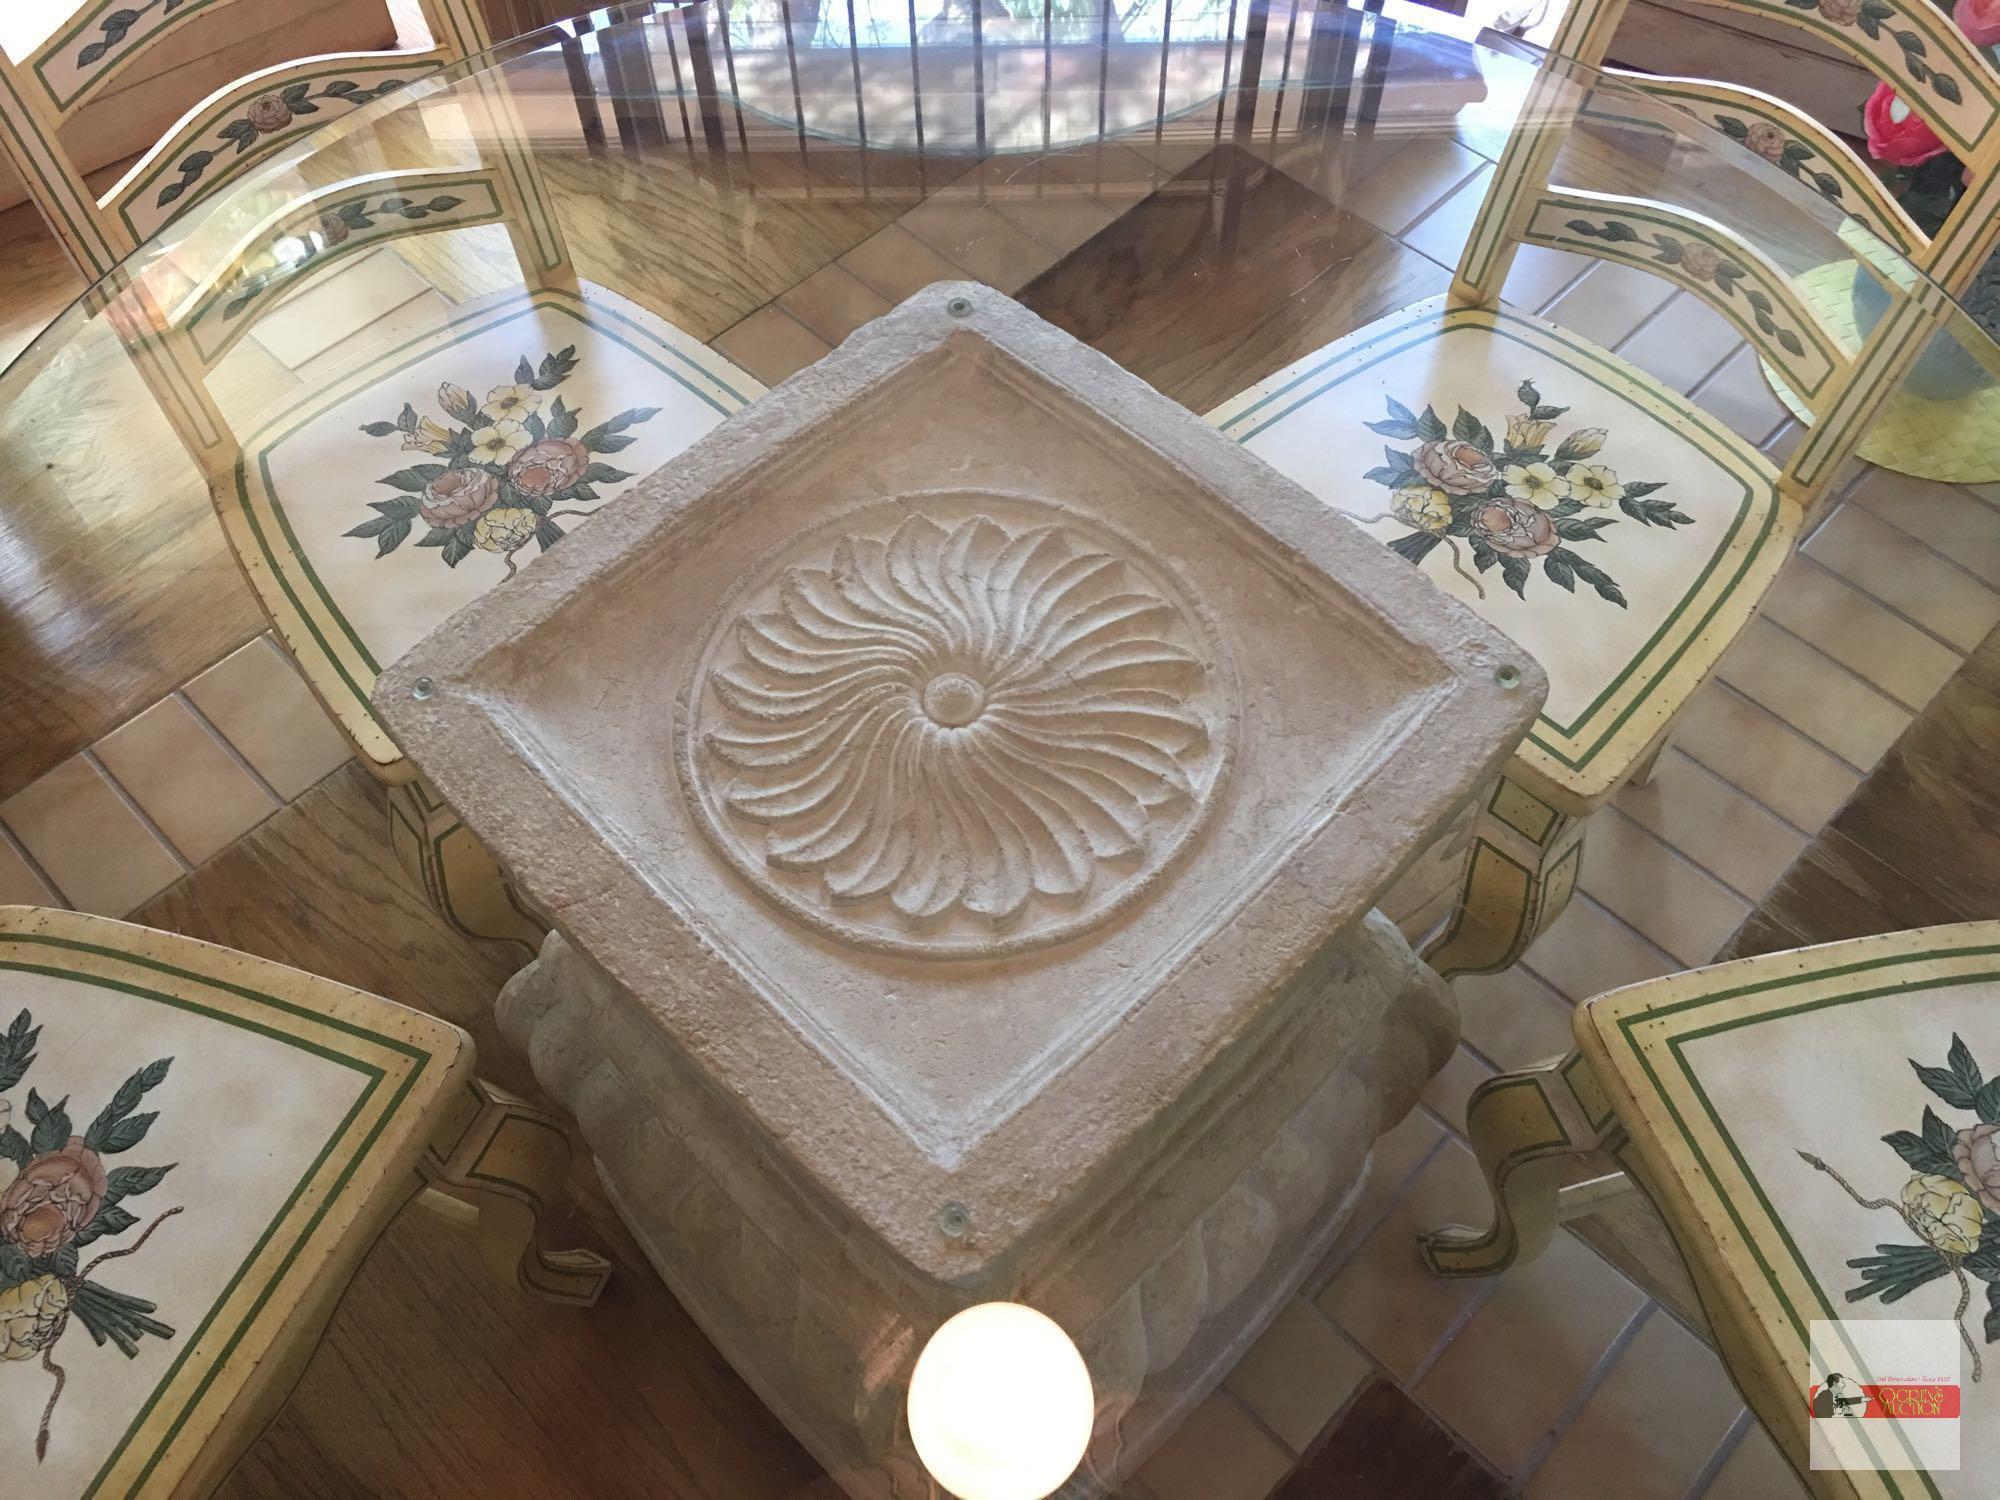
(946, 733)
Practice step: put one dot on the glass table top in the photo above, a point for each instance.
(569, 257)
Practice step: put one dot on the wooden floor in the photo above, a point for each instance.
(1919, 844)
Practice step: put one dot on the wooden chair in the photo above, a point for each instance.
(235, 129)
(391, 491)
(1819, 1135)
(1621, 535)
(198, 1148)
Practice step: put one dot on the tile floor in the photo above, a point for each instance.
(1565, 1377)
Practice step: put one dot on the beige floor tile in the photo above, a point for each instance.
(1519, 1362)
(1649, 1429)
(1513, 1017)
(1900, 571)
(771, 344)
(897, 264)
(1298, 1374)
(1755, 1470)
(371, 285)
(1840, 620)
(194, 790)
(424, 314)
(79, 830)
(974, 236)
(1610, 303)
(19, 884)
(1589, 951)
(249, 382)
(1383, 1297)
(1815, 696)
(1218, 1453)
(1948, 519)
(1446, 1094)
(1683, 342)
(1396, 191)
(1756, 750)
(833, 303)
(1060, 217)
(1441, 233)
(1737, 395)
(1539, 275)
(258, 702)
(1730, 835)
(1659, 893)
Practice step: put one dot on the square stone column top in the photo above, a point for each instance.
(955, 753)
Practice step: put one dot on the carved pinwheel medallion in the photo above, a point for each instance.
(947, 733)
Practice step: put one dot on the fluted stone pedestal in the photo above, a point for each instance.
(961, 785)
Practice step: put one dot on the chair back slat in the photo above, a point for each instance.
(236, 128)
(1793, 142)
(241, 125)
(317, 231)
(1912, 46)
(1704, 258)
(101, 40)
(1909, 44)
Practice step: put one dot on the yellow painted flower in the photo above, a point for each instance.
(1594, 484)
(30, 1313)
(454, 399)
(1422, 506)
(510, 403)
(498, 443)
(1943, 1211)
(1583, 443)
(1526, 432)
(428, 438)
(504, 528)
(1537, 484)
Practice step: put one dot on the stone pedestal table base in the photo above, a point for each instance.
(1164, 1277)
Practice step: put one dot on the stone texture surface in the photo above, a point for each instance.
(961, 783)
(1163, 1283)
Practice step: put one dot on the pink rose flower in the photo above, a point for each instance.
(1896, 133)
(1766, 139)
(548, 467)
(1514, 528)
(1458, 467)
(1979, 1163)
(268, 113)
(1979, 20)
(459, 495)
(53, 1198)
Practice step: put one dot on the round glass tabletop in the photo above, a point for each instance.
(1585, 349)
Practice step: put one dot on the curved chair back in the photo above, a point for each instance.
(235, 128)
(1907, 43)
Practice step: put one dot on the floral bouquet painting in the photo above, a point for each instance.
(57, 1198)
(1513, 504)
(1950, 1201)
(513, 465)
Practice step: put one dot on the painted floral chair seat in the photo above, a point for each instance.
(1622, 535)
(162, 1280)
(369, 512)
(1820, 1133)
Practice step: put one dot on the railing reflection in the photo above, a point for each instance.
(988, 77)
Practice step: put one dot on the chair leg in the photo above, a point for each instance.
(1520, 876)
(1642, 774)
(509, 1160)
(455, 872)
(1527, 1128)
